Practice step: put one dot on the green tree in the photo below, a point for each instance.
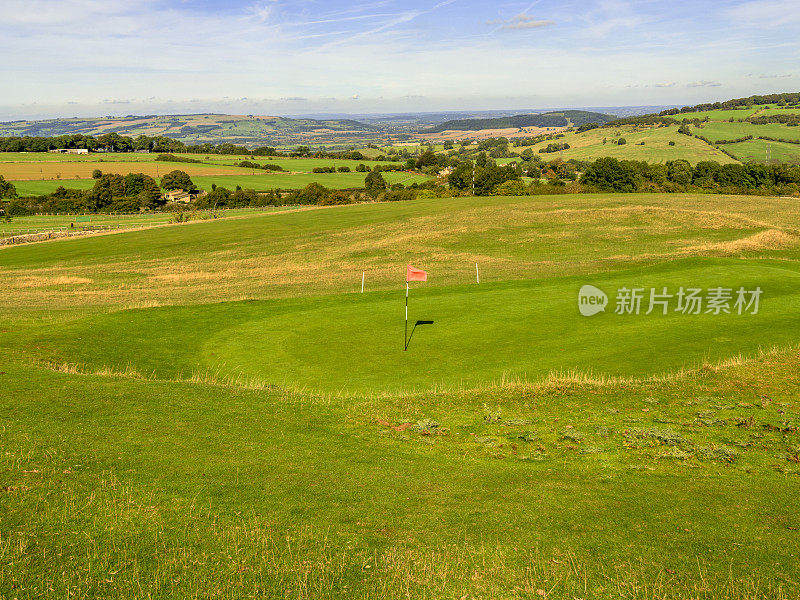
(612, 175)
(426, 159)
(374, 183)
(219, 196)
(145, 189)
(177, 180)
(7, 189)
(106, 190)
(680, 171)
(313, 193)
(97, 174)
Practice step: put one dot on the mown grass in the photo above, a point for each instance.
(481, 335)
(131, 467)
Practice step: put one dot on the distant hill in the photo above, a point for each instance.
(565, 118)
(201, 128)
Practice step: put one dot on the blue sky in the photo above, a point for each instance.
(89, 57)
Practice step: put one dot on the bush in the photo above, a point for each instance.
(97, 174)
(515, 187)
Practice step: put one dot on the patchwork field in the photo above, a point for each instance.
(214, 409)
(43, 173)
(83, 170)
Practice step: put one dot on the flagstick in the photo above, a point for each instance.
(477, 274)
(405, 335)
(363, 273)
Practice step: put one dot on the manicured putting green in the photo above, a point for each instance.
(480, 334)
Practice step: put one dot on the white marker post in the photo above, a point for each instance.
(477, 273)
(405, 335)
(363, 273)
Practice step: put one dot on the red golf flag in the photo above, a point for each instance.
(413, 274)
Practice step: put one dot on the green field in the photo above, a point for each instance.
(213, 409)
(292, 165)
(759, 150)
(719, 115)
(589, 145)
(260, 182)
(48, 186)
(733, 131)
(44, 223)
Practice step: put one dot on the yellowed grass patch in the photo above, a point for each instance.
(772, 239)
(34, 281)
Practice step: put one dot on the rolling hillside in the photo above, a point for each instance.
(203, 128)
(564, 118)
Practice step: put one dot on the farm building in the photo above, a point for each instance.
(70, 150)
(181, 196)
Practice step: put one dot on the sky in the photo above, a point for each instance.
(118, 57)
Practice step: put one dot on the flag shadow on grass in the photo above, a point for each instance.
(413, 329)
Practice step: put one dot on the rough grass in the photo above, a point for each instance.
(119, 481)
(326, 250)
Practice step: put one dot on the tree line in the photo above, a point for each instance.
(137, 192)
(114, 142)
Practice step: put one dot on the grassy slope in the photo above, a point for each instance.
(589, 145)
(719, 115)
(729, 131)
(123, 486)
(756, 150)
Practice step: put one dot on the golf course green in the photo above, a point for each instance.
(480, 335)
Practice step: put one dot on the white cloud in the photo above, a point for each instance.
(703, 83)
(766, 13)
(521, 21)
